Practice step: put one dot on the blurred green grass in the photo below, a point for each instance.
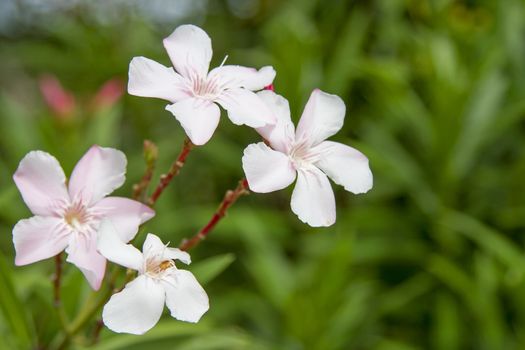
(431, 258)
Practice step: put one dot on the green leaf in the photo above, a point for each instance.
(13, 309)
(206, 270)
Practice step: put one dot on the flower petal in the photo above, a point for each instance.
(148, 78)
(137, 308)
(176, 253)
(245, 107)
(313, 199)
(198, 117)
(98, 173)
(345, 165)
(322, 117)
(115, 250)
(82, 252)
(189, 48)
(42, 182)
(125, 214)
(38, 238)
(281, 135)
(185, 297)
(238, 76)
(267, 170)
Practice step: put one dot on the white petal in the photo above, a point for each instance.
(41, 181)
(267, 170)
(82, 251)
(345, 165)
(154, 246)
(198, 117)
(125, 214)
(137, 308)
(245, 107)
(115, 250)
(100, 171)
(176, 253)
(238, 76)
(313, 199)
(148, 78)
(189, 48)
(281, 135)
(322, 117)
(185, 297)
(39, 238)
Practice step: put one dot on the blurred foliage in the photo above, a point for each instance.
(431, 258)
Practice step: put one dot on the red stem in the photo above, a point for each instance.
(175, 168)
(230, 197)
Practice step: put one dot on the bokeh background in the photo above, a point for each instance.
(432, 258)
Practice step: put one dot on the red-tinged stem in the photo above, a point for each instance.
(229, 199)
(175, 168)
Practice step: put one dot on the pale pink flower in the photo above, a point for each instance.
(68, 217)
(195, 93)
(304, 154)
(138, 307)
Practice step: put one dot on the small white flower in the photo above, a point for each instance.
(304, 154)
(138, 307)
(194, 92)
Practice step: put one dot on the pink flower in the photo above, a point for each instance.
(194, 93)
(304, 154)
(69, 217)
(138, 307)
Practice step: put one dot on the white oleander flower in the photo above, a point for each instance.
(138, 307)
(194, 93)
(304, 154)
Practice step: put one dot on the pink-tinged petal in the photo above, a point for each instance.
(110, 246)
(137, 308)
(199, 118)
(98, 173)
(229, 77)
(313, 199)
(148, 78)
(189, 48)
(82, 252)
(185, 297)
(345, 165)
(267, 170)
(322, 117)
(245, 107)
(42, 183)
(125, 214)
(280, 135)
(39, 238)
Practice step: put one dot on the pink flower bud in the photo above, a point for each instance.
(59, 100)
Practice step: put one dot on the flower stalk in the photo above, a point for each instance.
(229, 199)
(175, 168)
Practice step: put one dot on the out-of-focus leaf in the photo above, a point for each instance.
(13, 309)
(206, 270)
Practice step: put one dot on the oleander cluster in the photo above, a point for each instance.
(78, 216)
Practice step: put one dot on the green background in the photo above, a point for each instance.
(431, 258)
